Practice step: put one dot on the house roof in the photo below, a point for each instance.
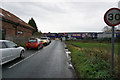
(9, 16)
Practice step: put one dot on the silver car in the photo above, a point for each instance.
(45, 40)
(10, 51)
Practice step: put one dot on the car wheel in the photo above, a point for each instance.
(45, 44)
(38, 47)
(22, 54)
(42, 47)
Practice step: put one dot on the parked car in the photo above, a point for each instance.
(49, 40)
(45, 40)
(34, 43)
(10, 51)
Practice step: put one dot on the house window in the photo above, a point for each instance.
(19, 20)
(20, 32)
(3, 34)
(8, 15)
(1, 14)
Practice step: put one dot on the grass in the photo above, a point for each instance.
(102, 46)
(92, 60)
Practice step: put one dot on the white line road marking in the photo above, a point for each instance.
(23, 60)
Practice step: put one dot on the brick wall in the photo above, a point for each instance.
(25, 32)
(10, 31)
(14, 34)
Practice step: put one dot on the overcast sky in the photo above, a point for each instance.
(61, 15)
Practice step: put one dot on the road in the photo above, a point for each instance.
(49, 62)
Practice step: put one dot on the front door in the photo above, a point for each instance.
(3, 34)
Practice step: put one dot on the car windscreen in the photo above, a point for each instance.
(2, 45)
(32, 40)
(43, 38)
(10, 44)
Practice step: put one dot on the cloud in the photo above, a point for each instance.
(62, 16)
(60, 0)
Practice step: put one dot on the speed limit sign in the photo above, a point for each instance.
(112, 17)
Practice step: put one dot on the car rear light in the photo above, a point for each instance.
(36, 45)
(27, 44)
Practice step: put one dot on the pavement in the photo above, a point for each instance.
(49, 62)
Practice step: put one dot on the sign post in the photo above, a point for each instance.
(112, 18)
(112, 55)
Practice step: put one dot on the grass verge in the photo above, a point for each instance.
(91, 60)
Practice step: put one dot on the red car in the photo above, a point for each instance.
(34, 43)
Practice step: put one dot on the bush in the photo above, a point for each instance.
(21, 44)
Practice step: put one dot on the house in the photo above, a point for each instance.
(12, 26)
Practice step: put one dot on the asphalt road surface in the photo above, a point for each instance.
(49, 62)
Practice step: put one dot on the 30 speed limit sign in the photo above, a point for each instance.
(112, 17)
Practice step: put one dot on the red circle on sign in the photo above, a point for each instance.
(105, 17)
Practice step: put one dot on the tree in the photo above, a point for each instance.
(108, 29)
(33, 24)
(39, 32)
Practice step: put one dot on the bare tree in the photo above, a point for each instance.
(108, 29)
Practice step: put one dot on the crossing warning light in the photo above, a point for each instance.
(45, 33)
(63, 33)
